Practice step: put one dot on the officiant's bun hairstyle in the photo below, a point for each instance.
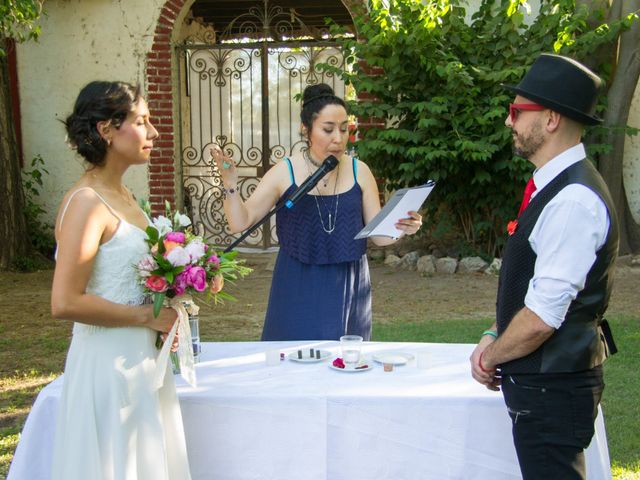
(314, 99)
(98, 102)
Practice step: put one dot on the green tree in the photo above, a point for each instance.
(441, 97)
(623, 55)
(17, 24)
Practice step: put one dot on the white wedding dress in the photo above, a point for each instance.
(112, 424)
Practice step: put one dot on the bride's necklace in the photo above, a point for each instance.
(122, 192)
(331, 223)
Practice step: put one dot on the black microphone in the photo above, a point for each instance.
(329, 164)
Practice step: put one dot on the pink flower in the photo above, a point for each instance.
(156, 283)
(181, 283)
(214, 261)
(177, 237)
(217, 283)
(197, 278)
(146, 265)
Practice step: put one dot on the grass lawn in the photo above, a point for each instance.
(28, 363)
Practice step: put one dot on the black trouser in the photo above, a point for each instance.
(553, 421)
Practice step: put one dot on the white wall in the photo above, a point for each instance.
(81, 41)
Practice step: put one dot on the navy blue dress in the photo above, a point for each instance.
(321, 288)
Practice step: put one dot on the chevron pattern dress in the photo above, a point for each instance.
(321, 287)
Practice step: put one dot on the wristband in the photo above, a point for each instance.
(480, 364)
(229, 191)
(489, 332)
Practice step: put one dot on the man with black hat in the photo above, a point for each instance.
(549, 341)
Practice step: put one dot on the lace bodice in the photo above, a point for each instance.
(114, 276)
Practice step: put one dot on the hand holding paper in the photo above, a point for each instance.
(403, 201)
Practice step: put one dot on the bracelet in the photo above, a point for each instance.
(229, 191)
(489, 332)
(480, 364)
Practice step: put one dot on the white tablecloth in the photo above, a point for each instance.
(247, 420)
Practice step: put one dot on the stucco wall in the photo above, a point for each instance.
(81, 41)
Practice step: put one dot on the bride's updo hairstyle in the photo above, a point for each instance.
(314, 99)
(97, 102)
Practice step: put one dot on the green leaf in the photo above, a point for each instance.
(158, 300)
(152, 234)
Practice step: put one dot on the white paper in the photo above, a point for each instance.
(403, 201)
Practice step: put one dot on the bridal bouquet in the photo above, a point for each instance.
(180, 262)
(180, 265)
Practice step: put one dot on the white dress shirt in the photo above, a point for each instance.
(565, 238)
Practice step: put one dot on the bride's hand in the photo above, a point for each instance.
(174, 344)
(163, 322)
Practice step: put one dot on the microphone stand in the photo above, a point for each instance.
(254, 227)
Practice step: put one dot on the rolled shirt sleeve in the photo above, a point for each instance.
(572, 227)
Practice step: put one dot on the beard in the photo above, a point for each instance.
(527, 145)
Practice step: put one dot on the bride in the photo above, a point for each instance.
(112, 422)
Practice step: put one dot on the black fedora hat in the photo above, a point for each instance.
(563, 85)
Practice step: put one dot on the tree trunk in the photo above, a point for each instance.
(14, 241)
(619, 98)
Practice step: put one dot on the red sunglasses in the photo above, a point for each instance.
(516, 108)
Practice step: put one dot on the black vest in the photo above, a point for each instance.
(579, 342)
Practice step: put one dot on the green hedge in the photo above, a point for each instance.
(440, 94)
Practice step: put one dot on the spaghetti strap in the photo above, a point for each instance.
(293, 178)
(355, 169)
(64, 210)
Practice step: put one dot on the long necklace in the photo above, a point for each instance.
(332, 219)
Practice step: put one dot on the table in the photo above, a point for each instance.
(247, 420)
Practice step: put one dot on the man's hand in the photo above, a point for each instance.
(481, 372)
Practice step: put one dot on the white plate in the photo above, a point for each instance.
(394, 358)
(293, 356)
(352, 370)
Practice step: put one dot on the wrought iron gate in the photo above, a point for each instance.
(243, 96)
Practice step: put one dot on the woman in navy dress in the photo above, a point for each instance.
(321, 288)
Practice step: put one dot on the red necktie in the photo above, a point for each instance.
(528, 190)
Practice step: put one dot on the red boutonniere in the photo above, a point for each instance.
(512, 226)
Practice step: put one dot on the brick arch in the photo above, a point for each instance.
(160, 96)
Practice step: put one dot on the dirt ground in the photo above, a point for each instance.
(397, 294)
(406, 295)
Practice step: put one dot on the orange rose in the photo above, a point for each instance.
(217, 283)
(168, 246)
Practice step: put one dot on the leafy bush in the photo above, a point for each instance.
(40, 233)
(434, 78)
